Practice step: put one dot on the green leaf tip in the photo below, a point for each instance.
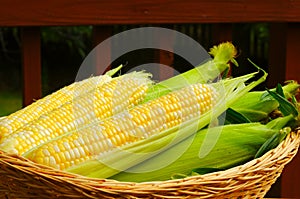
(273, 142)
(279, 90)
(285, 106)
(113, 71)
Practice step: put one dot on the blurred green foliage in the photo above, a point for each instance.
(63, 50)
(75, 37)
(10, 102)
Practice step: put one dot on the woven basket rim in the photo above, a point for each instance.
(255, 171)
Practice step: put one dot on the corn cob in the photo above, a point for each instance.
(138, 123)
(100, 103)
(42, 106)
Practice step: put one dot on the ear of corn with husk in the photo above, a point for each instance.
(257, 105)
(127, 127)
(234, 88)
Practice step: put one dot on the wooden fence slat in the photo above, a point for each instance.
(291, 174)
(290, 179)
(31, 58)
(292, 52)
(99, 12)
(277, 54)
(100, 33)
(166, 58)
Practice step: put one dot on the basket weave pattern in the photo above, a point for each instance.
(21, 178)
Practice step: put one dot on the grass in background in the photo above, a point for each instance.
(10, 102)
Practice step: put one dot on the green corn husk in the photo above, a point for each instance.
(257, 105)
(132, 154)
(236, 144)
(285, 107)
(273, 141)
(223, 54)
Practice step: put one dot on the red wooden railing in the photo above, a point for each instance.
(284, 16)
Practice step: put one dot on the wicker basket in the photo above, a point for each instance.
(21, 178)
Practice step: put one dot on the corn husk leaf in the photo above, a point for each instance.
(257, 105)
(273, 142)
(234, 117)
(236, 144)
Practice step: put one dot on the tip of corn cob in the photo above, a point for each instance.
(143, 76)
(113, 71)
(9, 147)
